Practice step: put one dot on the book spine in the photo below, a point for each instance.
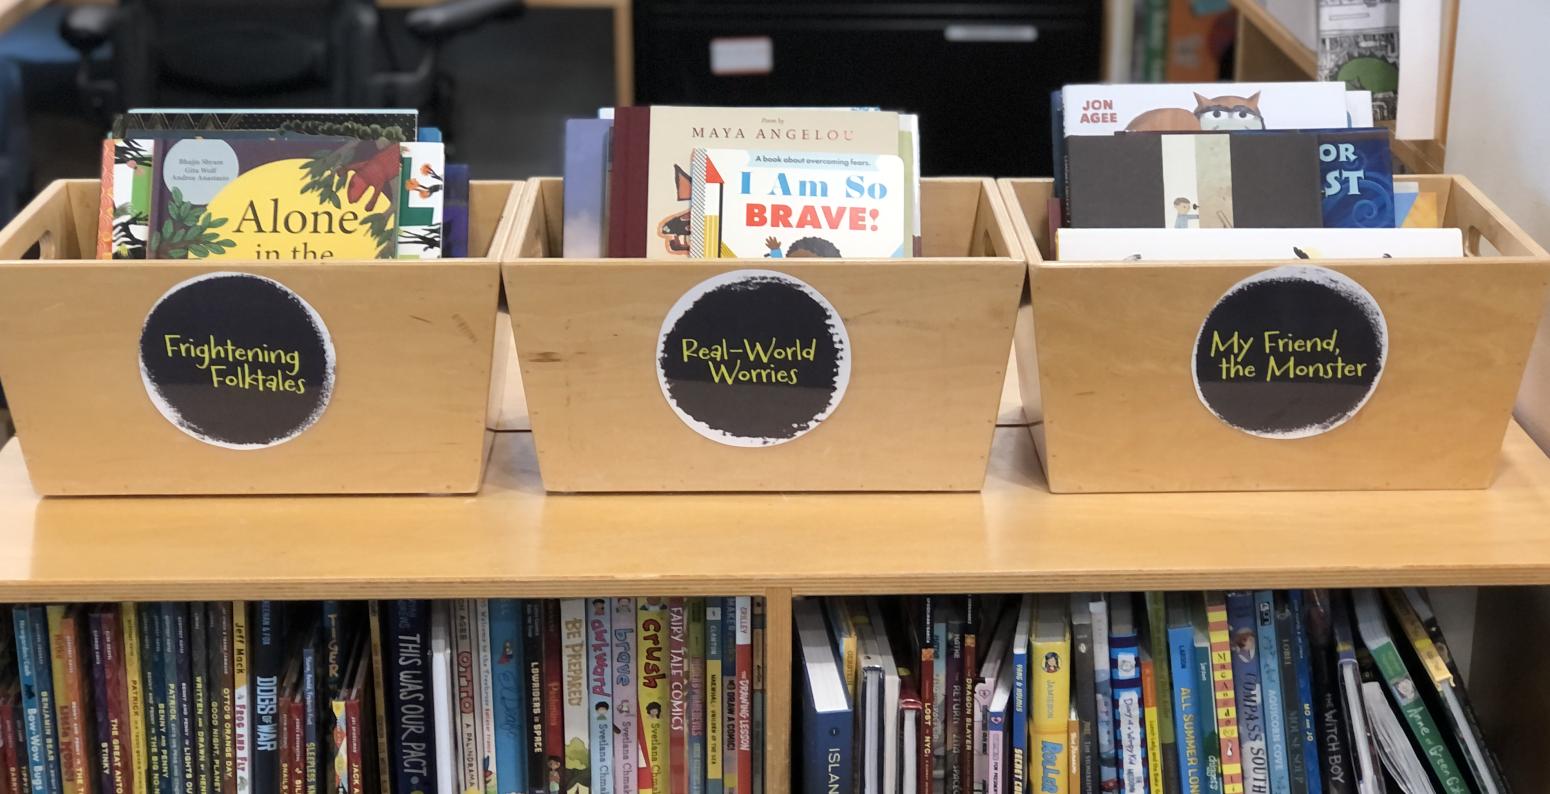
(1224, 693)
(554, 697)
(1335, 762)
(444, 698)
(298, 748)
(1302, 664)
(677, 694)
(1129, 719)
(756, 721)
(313, 670)
(995, 757)
(1291, 697)
(128, 628)
(1272, 709)
(715, 696)
(744, 694)
(533, 680)
(76, 773)
(406, 648)
(1084, 696)
(980, 715)
(338, 767)
(199, 692)
(13, 750)
(267, 663)
(1154, 750)
(379, 680)
(508, 678)
(242, 717)
(652, 684)
(626, 748)
(465, 696)
(489, 765)
(696, 695)
(1157, 639)
(1241, 622)
(158, 765)
(48, 693)
(180, 727)
(1108, 737)
(1205, 686)
(953, 780)
(729, 695)
(223, 699)
(926, 766)
(600, 694)
(971, 665)
(27, 674)
(1186, 709)
(1022, 710)
(354, 775)
(107, 748)
(578, 726)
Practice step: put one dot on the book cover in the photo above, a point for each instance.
(1198, 245)
(1165, 762)
(695, 702)
(652, 689)
(1050, 707)
(508, 683)
(783, 204)
(1358, 45)
(626, 715)
(242, 699)
(1421, 630)
(466, 697)
(1224, 690)
(1401, 687)
(1125, 681)
(276, 198)
(715, 696)
(127, 624)
(1186, 696)
(199, 697)
(392, 123)
(659, 186)
(1357, 167)
(678, 693)
(484, 661)
(71, 700)
(533, 679)
(421, 200)
(1100, 110)
(587, 165)
(1084, 694)
(406, 649)
(1247, 683)
(576, 720)
(826, 753)
(1271, 695)
(600, 694)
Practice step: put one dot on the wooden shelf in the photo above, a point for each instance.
(1015, 536)
(1267, 51)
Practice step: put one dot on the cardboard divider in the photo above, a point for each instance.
(1105, 352)
(929, 339)
(413, 343)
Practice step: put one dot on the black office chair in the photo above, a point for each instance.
(266, 52)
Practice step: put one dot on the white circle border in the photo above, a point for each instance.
(175, 417)
(838, 333)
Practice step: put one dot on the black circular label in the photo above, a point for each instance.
(753, 358)
(237, 360)
(1290, 352)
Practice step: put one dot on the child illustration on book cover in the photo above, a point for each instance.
(803, 248)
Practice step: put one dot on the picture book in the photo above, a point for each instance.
(1358, 45)
(277, 198)
(401, 124)
(421, 200)
(1173, 245)
(1357, 168)
(1184, 107)
(1190, 181)
(657, 144)
(123, 218)
(586, 186)
(778, 205)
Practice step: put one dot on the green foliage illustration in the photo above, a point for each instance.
(187, 231)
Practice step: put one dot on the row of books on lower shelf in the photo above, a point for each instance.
(605, 695)
(1277, 692)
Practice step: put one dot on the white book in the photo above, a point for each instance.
(1285, 245)
(909, 777)
(1420, 49)
(441, 697)
(484, 664)
(465, 696)
(573, 660)
(872, 711)
(1398, 756)
(990, 674)
(1299, 17)
(1107, 109)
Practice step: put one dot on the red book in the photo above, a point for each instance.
(298, 745)
(925, 684)
(618, 157)
(108, 650)
(10, 739)
(554, 694)
(289, 738)
(745, 695)
(678, 694)
(354, 726)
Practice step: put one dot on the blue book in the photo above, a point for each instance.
(34, 672)
(1302, 661)
(600, 694)
(1243, 638)
(507, 654)
(1357, 169)
(586, 185)
(1125, 682)
(827, 731)
(1186, 705)
(180, 757)
(406, 640)
(1291, 704)
(715, 687)
(1270, 691)
(454, 211)
(1022, 691)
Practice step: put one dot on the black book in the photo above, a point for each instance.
(1084, 693)
(533, 671)
(1195, 180)
(406, 638)
(1336, 763)
(180, 695)
(199, 671)
(267, 663)
(105, 748)
(158, 770)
